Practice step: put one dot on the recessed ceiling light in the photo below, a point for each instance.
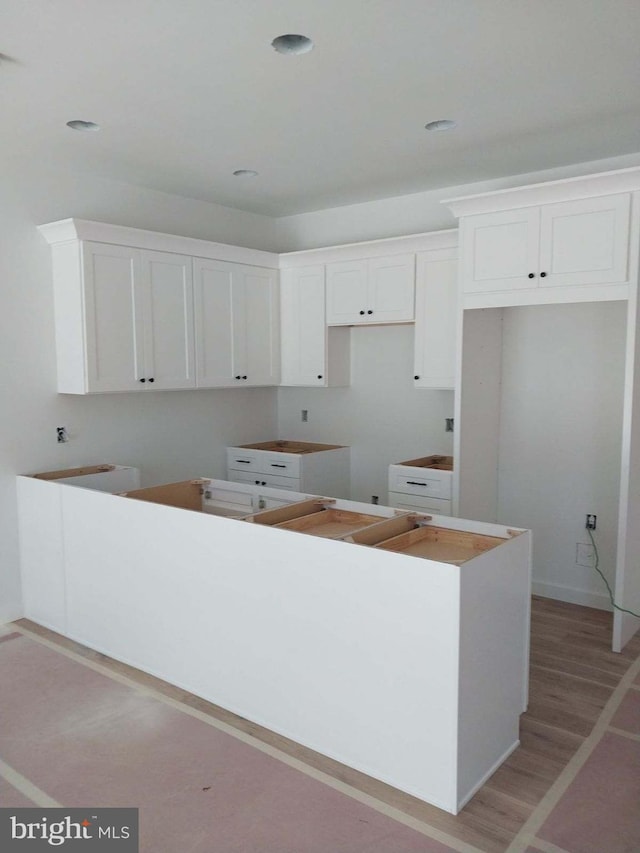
(440, 124)
(291, 43)
(245, 173)
(79, 124)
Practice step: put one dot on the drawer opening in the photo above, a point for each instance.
(435, 462)
(316, 517)
(414, 535)
(188, 494)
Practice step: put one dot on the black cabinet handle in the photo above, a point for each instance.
(414, 483)
(143, 379)
(244, 377)
(543, 275)
(264, 483)
(416, 377)
(152, 379)
(238, 377)
(362, 312)
(531, 275)
(244, 461)
(276, 465)
(257, 482)
(369, 311)
(319, 376)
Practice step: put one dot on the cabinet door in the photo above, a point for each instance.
(168, 313)
(500, 250)
(390, 290)
(114, 324)
(347, 293)
(303, 331)
(213, 298)
(436, 319)
(257, 324)
(585, 241)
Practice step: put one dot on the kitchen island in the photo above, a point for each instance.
(392, 642)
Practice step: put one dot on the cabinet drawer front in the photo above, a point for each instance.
(256, 478)
(242, 460)
(431, 484)
(280, 464)
(415, 502)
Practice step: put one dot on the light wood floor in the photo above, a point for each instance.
(573, 673)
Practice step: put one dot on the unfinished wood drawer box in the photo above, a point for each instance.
(317, 518)
(412, 503)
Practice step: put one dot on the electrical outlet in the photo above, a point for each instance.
(62, 434)
(591, 522)
(304, 415)
(448, 424)
(374, 499)
(585, 555)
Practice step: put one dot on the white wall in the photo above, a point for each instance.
(414, 213)
(560, 438)
(381, 416)
(170, 435)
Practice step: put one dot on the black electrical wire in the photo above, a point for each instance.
(606, 582)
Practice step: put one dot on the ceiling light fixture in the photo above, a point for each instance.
(291, 43)
(79, 124)
(440, 125)
(245, 173)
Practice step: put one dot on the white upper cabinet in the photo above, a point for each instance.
(124, 319)
(237, 324)
(578, 243)
(375, 290)
(436, 319)
(311, 353)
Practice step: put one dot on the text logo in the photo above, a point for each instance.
(34, 830)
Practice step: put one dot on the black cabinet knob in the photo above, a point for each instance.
(543, 275)
(238, 377)
(362, 312)
(244, 377)
(143, 379)
(369, 311)
(531, 275)
(264, 482)
(416, 377)
(319, 376)
(152, 379)
(257, 482)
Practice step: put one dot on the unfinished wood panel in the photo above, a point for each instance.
(74, 472)
(438, 463)
(290, 446)
(286, 513)
(185, 495)
(387, 529)
(330, 523)
(437, 543)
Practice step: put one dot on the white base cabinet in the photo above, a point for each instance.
(423, 485)
(305, 467)
(410, 669)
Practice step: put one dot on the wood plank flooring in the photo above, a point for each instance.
(573, 674)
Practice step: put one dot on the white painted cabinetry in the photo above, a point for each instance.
(576, 243)
(374, 290)
(424, 484)
(124, 318)
(312, 354)
(318, 469)
(436, 318)
(237, 324)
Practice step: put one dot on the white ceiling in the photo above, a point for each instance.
(187, 91)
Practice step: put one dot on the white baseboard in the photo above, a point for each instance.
(571, 595)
